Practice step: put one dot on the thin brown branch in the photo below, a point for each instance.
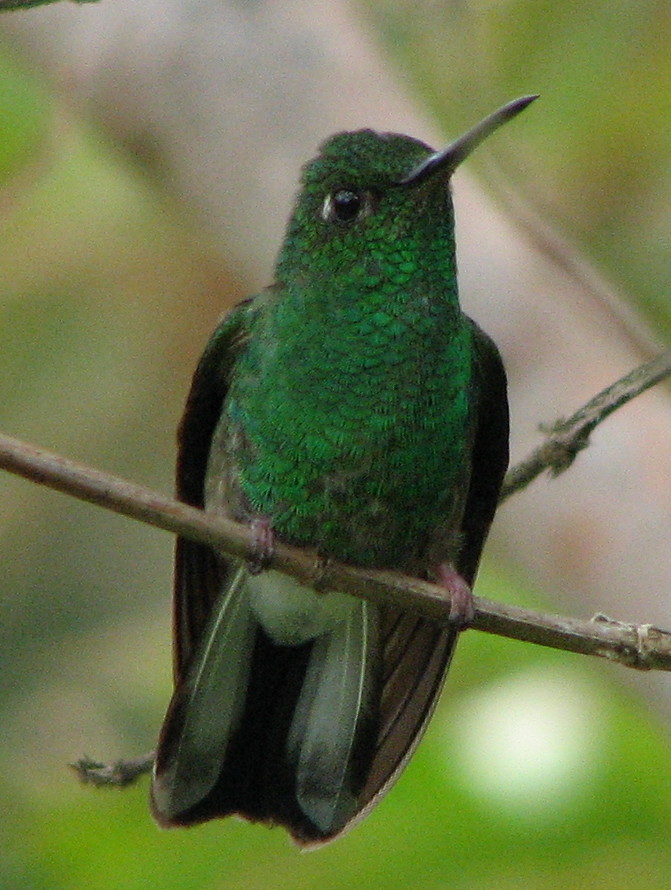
(565, 438)
(641, 647)
(27, 4)
(117, 774)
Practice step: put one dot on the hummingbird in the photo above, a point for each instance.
(351, 408)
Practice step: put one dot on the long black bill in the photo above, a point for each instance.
(449, 158)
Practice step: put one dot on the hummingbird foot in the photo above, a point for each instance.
(263, 545)
(462, 610)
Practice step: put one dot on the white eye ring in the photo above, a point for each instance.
(327, 208)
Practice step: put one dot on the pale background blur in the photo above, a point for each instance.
(148, 153)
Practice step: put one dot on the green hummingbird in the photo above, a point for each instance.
(351, 408)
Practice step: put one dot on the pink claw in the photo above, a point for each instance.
(462, 610)
(263, 544)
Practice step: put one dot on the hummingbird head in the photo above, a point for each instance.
(374, 209)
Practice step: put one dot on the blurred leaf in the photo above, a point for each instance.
(24, 116)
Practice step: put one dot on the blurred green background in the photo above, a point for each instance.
(539, 770)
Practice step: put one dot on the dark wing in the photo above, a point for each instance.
(490, 451)
(417, 652)
(199, 574)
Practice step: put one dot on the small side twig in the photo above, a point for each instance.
(565, 438)
(27, 4)
(117, 774)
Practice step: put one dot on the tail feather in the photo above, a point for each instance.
(277, 734)
(206, 709)
(336, 711)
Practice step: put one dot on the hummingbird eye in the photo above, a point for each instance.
(344, 206)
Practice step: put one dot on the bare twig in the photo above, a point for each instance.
(117, 774)
(640, 647)
(565, 438)
(26, 4)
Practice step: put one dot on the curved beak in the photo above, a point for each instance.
(447, 160)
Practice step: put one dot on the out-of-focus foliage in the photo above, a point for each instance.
(538, 770)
